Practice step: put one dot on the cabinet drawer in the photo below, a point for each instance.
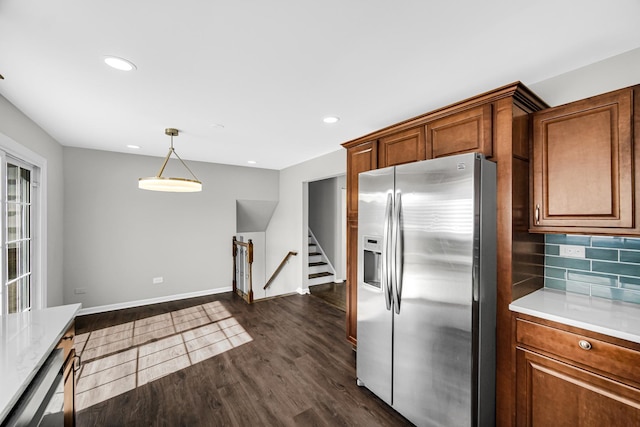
(599, 356)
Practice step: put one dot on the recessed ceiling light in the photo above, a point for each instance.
(119, 63)
(133, 147)
(251, 162)
(331, 119)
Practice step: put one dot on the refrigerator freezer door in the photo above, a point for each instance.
(375, 319)
(432, 376)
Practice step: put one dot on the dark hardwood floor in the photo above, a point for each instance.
(297, 369)
(333, 293)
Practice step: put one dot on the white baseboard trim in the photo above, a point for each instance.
(303, 291)
(138, 303)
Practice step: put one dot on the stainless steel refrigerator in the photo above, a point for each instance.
(427, 289)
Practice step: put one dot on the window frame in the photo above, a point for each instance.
(19, 155)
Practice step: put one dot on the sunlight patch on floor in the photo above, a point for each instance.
(122, 357)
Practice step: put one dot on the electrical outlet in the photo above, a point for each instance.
(157, 280)
(78, 291)
(572, 251)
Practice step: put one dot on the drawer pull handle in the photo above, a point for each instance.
(537, 214)
(584, 344)
(77, 363)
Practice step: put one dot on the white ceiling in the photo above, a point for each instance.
(269, 71)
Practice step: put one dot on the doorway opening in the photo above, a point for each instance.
(326, 254)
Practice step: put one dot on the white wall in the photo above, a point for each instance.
(23, 131)
(118, 237)
(287, 230)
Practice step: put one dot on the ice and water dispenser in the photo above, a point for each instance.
(372, 260)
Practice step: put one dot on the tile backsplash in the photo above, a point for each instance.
(610, 269)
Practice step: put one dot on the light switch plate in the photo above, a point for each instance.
(572, 251)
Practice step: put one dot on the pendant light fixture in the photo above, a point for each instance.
(179, 185)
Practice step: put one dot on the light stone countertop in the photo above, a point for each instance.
(26, 340)
(615, 318)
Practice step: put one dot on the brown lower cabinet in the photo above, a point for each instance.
(69, 355)
(69, 391)
(571, 377)
(362, 157)
(352, 277)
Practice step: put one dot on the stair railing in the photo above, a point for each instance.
(280, 267)
(247, 296)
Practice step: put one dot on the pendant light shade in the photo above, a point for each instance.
(176, 185)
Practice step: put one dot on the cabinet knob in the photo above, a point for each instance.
(584, 344)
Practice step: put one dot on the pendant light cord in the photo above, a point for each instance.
(166, 160)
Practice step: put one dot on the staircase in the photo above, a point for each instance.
(320, 271)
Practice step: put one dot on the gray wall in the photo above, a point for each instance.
(118, 237)
(323, 221)
(610, 74)
(21, 129)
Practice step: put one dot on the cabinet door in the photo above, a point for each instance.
(464, 132)
(402, 147)
(66, 343)
(551, 393)
(583, 164)
(361, 158)
(69, 391)
(352, 281)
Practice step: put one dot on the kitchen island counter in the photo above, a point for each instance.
(26, 340)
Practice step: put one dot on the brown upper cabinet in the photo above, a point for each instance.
(463, 132)
(584, 166)
(402, 147)
(361, 158)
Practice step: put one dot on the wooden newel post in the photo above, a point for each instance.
(246, 259)
(250, 260)
(234, 253)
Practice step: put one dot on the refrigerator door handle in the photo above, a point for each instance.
(386, 240)
(398, 252)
